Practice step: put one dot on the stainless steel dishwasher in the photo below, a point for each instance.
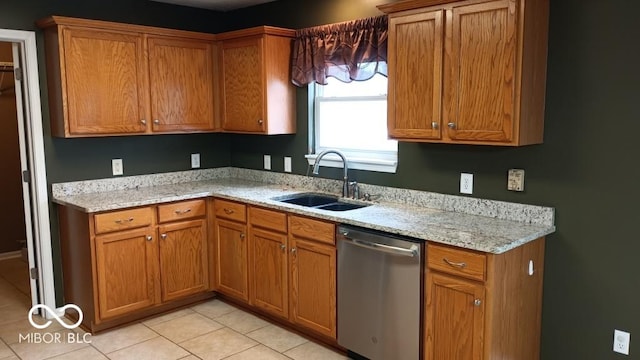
(379, 287)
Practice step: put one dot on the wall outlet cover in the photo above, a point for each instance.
(287, 164)
(466, 183)
(195, 161)
(267, 162)
(116, 167)
(621, 341)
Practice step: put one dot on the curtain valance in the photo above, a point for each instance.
(354, 50)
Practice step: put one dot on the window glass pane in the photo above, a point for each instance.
(356, 125)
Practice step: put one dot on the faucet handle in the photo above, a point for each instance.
(355, 190)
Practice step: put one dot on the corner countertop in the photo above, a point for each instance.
(481, 233)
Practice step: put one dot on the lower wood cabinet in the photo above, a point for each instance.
(126, 271)
(123, 265)
(231, 249)
(483, 306)
(290, 267)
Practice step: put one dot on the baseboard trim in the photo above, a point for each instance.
(10, 255)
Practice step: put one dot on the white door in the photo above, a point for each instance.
(32, 247)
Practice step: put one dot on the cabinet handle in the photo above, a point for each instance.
(143, 122)
(149, 237)
(283, 247)
(180, 212)
(163, 236)
(451, 125)
(460, 265)
(120, 221)
(434, 125)
(242, 236)
(228, 211)
(477, 302)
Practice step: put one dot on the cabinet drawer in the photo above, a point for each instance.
(181, 210)
(459, 262)
(269, 219)
(122, 220)
(230, 210)
(312, 229)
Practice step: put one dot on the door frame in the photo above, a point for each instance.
(31, 137)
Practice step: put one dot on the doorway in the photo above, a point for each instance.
(25, 94)
(14, 262)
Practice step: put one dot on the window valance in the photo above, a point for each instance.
(354, 50)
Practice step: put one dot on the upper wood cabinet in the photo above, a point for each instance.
(109, 79)
(257, 93)
(181, 84)
(469, 72)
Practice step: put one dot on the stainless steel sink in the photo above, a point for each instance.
(320, 201)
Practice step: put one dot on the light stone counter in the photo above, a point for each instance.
(478, 224)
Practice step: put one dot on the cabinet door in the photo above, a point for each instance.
(454, 318)
(480, 71)
(415, 75)
(181, 84)
(231, 259)
(103, 82)
(313, 285)
(243, 85)
(126, 269)
(183, 258)
(269, 288)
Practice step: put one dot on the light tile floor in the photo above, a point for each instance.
(210, 330)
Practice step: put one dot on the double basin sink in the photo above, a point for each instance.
(319, 201)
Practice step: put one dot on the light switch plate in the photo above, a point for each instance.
(267, 162)
(287, 164)
(195, 161)
(116, 167)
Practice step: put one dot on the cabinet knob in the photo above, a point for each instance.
(477, 302)
(228, 211)
(156, 121)
(283, 247)
(149, 237)
(143, 122)
(242, 236)
(260, 121)
(434, 125)
(293, 250)
(163, 236)
(451, 125)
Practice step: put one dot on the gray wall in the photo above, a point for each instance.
(586, 168)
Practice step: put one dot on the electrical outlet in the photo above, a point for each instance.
(116, 167)
(287, 164)
(195, 161)
(267, 162)
(515, 180)
(621, 341)
(466, 183)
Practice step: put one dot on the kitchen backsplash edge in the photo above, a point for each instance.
(523, 213)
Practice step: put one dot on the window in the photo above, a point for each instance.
(352, 117)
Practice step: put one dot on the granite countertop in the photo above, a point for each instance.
(482, 233)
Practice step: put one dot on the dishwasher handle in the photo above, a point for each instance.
(394, 250)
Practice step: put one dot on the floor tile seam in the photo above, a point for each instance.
(201, 335)
(212, 318)
(65, 353)
(10, 349)
(178, 343)
(128, 346)
(276, 350)
(162, 322)
(241, 351)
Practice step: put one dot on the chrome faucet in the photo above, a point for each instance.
(345, 184)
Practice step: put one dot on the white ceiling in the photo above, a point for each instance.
(219, 5)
